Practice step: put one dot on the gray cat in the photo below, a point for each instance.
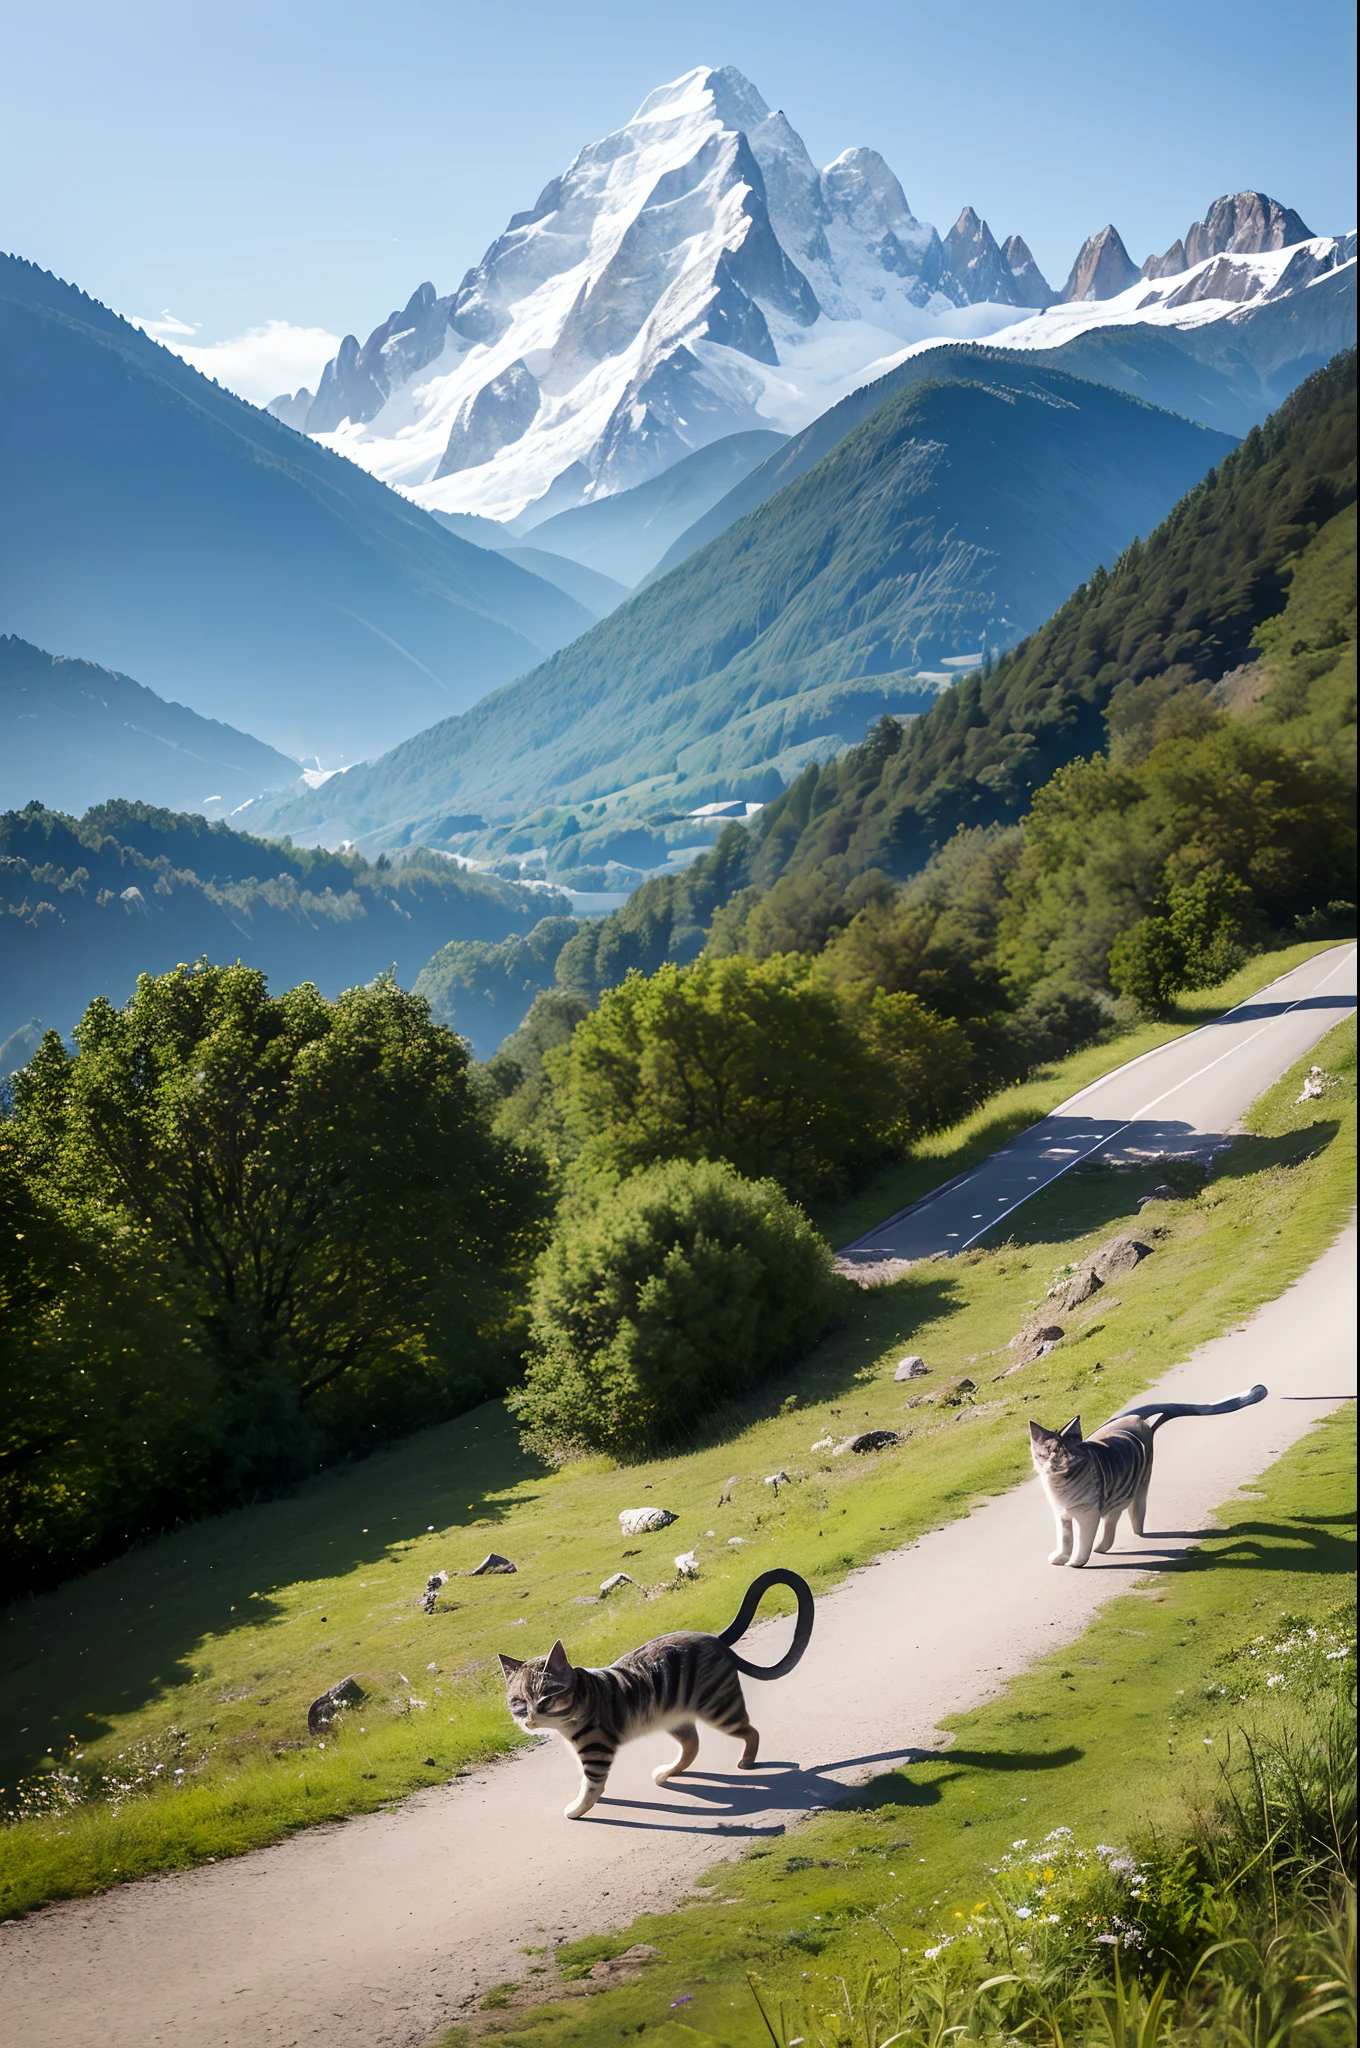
(1091, 1484)
(673, 1682)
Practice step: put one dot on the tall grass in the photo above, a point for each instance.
(1236, 1931)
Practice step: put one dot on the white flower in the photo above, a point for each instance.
(1276, 1678)
(1024, 1912)
(1023, 1843)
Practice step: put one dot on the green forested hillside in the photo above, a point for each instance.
(1307, 664)
(87, 904)
(956, 517)
(1177, 612)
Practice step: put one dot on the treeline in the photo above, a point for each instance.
(241, 1235)
(93, 902)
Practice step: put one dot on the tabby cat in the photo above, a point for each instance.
(1090, 1484)
(673, 1682)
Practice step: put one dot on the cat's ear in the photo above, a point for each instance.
(1038, 1434)
(558, 1661)
(510, 1665)
(1072, 1433)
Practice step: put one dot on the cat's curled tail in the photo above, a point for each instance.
(746, 1614)
(1155, 1413)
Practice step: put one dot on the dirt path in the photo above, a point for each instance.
(375, 1933)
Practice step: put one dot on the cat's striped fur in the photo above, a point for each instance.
(673, 1682)
(1091, 1483)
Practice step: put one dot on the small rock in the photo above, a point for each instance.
(431, 1667)
(321, 1713)
(1078, 1287)
(492, 1562)
(586, 1600)
(431, 1593)
(823, 1443)
(735, 1542)
(869, 1440)
(957, 1393)
(687, 1565)
(776, 1480)
(1033, 1335)
(1118, 1257)
(639, 1521)
(618, 1579)
(911, 1369)
(1161, 1193)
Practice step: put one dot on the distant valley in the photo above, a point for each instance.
(950, 522)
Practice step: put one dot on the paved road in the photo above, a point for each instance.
(373, 1934)
(1181, 1100)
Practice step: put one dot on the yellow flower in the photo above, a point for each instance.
(1048, 1877)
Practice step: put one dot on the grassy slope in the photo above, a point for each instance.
(1107, 1735)
(202, 1651)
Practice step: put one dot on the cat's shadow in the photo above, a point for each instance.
(733, 1802)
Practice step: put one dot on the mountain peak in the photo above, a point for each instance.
(1029, 286)
(1103, 268)
(1238, 224)
(706, 90)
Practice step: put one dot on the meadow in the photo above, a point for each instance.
(154, 1714)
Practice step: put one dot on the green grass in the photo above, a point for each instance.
(1114, 1735)
(1012, 1110)
(200, 1652)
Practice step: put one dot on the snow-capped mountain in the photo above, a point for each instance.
(691, 276)
(694, 275)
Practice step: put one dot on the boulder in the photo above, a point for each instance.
(616, 1580)
(687, 1565)
(640, 1521)
(958, 1393)
(321, 1713)
(911, 1369)
(492, 1562)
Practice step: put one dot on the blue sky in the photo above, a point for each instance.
(309, 164)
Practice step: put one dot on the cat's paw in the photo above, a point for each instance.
(663, 1773)
(1058, 1556)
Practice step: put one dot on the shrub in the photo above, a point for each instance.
(661, 1295)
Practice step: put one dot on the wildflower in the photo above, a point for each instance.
(1024, 1912)
(1277, 1678)
(1023, 1843)
(1048, 1877)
